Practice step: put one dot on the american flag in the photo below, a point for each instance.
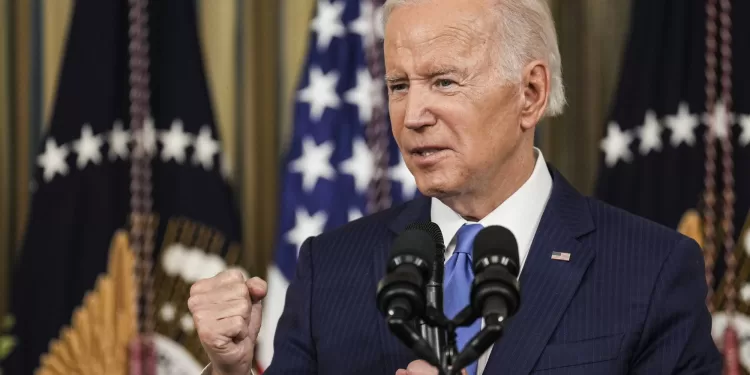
(342, 162)
(557, 255)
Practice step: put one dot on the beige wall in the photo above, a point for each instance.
(218, 32)
(591, 35)
(295, 27)
(56, 15)
(5, 159)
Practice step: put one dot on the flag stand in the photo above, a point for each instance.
(142, 233)
(730, 339)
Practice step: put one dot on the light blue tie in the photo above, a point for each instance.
(457, 285)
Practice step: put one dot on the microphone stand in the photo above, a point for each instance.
(398, 324)
(450, 360)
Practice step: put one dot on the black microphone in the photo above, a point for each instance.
(495, 292)
(431, 327)
(401, 293)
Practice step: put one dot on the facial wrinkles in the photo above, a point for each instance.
(459, 44)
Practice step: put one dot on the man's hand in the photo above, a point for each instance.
(421, 367)
(227, 313)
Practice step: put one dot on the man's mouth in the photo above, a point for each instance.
(427, 151)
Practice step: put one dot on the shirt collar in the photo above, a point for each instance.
(520, 213)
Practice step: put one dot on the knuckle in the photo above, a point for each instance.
(193, 303)
(199, 317)
(244, 307)
(235, 275)
(196, 303)
(239, 290)
(198, 287)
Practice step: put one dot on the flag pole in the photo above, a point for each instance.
(142, 356)
(730, 339)
(377, 130)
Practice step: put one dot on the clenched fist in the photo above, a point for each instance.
(227, 314)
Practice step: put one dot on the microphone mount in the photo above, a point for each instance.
(451, 361)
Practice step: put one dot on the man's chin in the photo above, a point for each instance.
(433, 190)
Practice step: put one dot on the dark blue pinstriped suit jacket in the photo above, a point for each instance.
(629, 301)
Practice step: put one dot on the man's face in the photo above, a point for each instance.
(455, 120)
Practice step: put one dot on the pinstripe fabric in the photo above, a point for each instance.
(630, 300)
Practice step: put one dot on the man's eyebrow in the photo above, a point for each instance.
(438, 70)
(445, 69)
(390, 78)
(433, 72)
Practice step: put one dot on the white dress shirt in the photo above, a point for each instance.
(520, 213)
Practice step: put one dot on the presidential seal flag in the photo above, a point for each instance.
(131, 203)
(342, 162)
(676, 146)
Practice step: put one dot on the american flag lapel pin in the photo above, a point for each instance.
(558, 255)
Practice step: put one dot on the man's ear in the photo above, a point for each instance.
(535, 93)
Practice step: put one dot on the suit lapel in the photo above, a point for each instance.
(547, 285)
(416, 210)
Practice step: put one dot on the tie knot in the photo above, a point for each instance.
(465, 237)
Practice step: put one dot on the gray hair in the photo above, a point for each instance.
(527, 33)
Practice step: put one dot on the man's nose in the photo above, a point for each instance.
(418, 113)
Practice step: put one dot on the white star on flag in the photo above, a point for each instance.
(683, 126)
(327, 22)
(205, 148)
(650, 134)
(616, 145)
(306, 226)
(87, 147)
(360, 165)
(118, 142)
(722, 120)
(363, 25)
(314, 163)
(745, 124)
(320, 92)
(354, 214)
(400, 173)
(174, 141)
(52, 160)
(364, 95)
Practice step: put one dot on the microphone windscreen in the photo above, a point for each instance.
(416, 243)
(431, 228)
(495, 240)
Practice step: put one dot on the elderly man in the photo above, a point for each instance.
(468, 81)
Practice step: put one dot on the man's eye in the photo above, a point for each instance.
(443, 82)
(398, 87)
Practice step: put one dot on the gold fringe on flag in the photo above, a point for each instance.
(97, 341)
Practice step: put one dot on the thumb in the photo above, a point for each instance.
(258, 289)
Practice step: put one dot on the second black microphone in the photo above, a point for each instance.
(437, 337)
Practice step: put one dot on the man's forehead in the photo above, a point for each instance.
(435, 21)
